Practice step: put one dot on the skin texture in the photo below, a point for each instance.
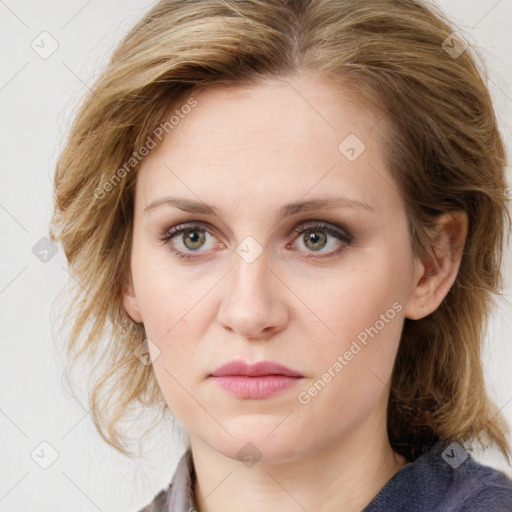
(248, 151)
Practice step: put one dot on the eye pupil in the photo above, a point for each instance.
(312, 236)
(192, 235)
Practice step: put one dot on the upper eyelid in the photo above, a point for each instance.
(179, 228)
(344, 237)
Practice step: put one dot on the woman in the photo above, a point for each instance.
(288, 219)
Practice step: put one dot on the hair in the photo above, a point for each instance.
(443, 149)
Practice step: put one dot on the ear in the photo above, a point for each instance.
(437, 272)
(130, 303)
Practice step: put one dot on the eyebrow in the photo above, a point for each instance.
(287, 210)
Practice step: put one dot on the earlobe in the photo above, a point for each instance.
(437, 272)
(131, 305)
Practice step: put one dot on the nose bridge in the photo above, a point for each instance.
(249, 283)
(251, 305)
(251, 273)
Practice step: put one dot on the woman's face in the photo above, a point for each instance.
(321, 288)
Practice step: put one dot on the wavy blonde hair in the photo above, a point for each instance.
(444, 151)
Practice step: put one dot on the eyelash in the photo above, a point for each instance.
(344, 236)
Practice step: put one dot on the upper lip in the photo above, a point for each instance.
(260, 368)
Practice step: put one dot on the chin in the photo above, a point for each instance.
(264, 442)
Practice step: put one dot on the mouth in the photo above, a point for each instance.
(257, 381)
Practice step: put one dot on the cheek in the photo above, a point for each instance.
(352, 367)
(166, 293)
(355, 300)
(364, 312)
(176, 308)
(339, 314)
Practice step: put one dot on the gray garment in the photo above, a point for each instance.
(444, 478)
(179, 496)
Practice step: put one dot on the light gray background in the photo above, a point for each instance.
(37, 99)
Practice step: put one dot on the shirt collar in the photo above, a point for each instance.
(181, 497)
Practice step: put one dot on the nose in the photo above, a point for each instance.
(253, 304)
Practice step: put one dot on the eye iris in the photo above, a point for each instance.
(192, 235)
(312, 236)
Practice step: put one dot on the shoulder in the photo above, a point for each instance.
(469, 486)
(159, 503)
(445, 478)
(491, 490)
(179, 495)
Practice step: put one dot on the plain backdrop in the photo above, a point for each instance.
(38, 95)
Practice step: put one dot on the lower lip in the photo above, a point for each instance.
(256, 387)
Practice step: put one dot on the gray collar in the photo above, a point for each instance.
(181, 491)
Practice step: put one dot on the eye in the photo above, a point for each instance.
(191, 237)
(316, 236)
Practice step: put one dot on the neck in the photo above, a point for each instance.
(345, 476)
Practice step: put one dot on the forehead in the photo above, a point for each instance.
(272, 112)
(278, 138)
